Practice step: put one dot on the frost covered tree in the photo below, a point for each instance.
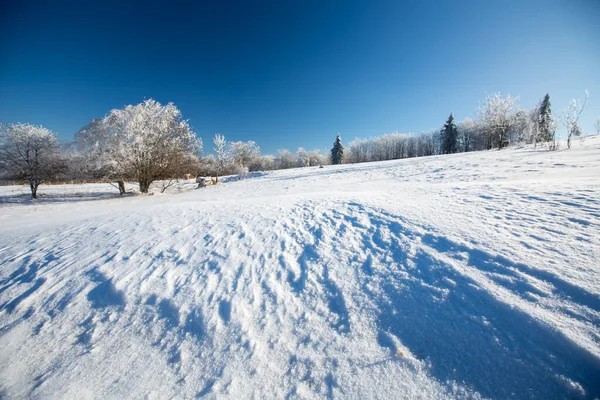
(148, 141)
(546, 124)
(221, 152)
(449, 136)
(74, 164)
(390, 146)
(262, 163)
(316, 158)
(467, 131)
(284, 159)
(30, 153)
(597, 126)
(533, 134)
(522, 127)
(358, 151)
(94, 144)
(181, 164)
(411, 147)
(207, 166)
(302, 158)
(495, 116)
(571, 117)
(337, 152)
(427, 143)
(242, 153)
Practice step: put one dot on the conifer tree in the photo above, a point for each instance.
(545, 121)
(337, 152)
(449, 135)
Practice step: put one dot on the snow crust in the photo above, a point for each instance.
(465, 276)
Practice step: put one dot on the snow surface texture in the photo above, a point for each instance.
(471, 275)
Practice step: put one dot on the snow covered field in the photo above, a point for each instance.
(470, 275)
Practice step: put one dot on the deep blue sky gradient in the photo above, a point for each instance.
(294, 73)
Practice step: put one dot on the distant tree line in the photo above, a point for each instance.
(241, 158)
(151, 142)
(499, 123)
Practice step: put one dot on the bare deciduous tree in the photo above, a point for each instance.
(571, 117)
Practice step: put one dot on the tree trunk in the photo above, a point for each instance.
(34, 188)
(144, 186)
(121, 187)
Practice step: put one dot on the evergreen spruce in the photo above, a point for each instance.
(545, 122)
(449, 136)
(337, 152)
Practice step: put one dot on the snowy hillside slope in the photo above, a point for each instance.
(470, 275)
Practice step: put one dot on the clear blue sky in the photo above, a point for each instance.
(288, 74)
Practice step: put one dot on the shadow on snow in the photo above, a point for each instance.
(469, 336)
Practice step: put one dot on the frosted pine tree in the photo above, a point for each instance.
(337, 152)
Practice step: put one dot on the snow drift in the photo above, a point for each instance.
(470, 275)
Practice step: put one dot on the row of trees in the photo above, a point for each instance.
(144, 143)
(239, 158)
(500, 122)
(151, 142)
(393, 146)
